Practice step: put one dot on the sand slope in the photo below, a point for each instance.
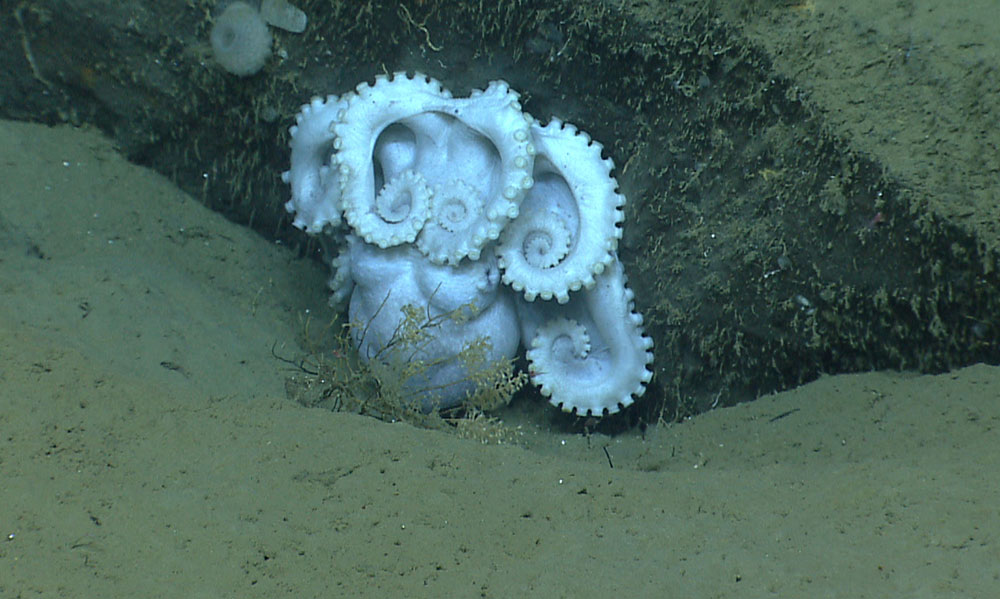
(149, 449)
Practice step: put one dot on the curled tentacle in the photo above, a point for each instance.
(448, 235)
(315, 186)
(544, 242)
(589, 356)
(573, 185)
(397, 213)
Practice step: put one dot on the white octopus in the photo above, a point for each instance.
(446, 198)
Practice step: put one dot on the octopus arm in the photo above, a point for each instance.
(596, 361)
(315, 190)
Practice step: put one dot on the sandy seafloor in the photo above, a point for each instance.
(149, 448)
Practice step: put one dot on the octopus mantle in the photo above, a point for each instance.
(469, 204)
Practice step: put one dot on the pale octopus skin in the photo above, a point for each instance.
(385, 280)
(469, 204)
